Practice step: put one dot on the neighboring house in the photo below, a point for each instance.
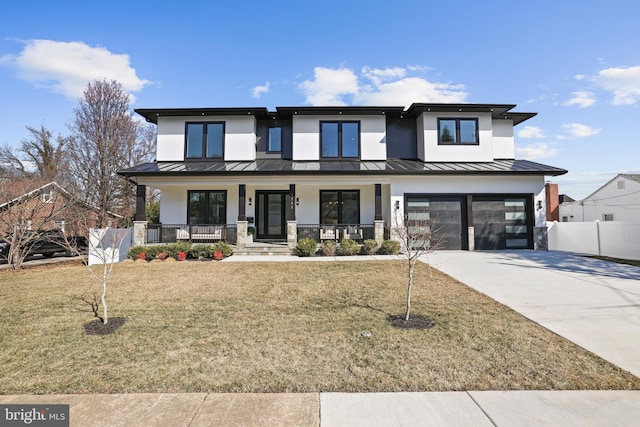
(38, 206)
(617, 200)
(334, 172)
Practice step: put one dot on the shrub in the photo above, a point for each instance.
(135, 251)
(153, 251)
(369, 247)
(181, 256)
(328, 248)
(348, 247)
(306, 247)
(172, 249)
(161, 256)
(142, 255)
(225, 248)
(217, 255)
(200, 251)
(389, 247)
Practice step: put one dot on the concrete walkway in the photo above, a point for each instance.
(473, 409)
(595, 304)
(592, 303)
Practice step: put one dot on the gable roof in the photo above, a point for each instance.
(631, 177)
(39, 190)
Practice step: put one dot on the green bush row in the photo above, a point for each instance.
(171, 250)
(309, 247)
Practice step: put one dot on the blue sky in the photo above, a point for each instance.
(575, 63)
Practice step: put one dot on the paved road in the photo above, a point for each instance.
(595, 304)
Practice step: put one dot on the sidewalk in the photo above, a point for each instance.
(473, 409)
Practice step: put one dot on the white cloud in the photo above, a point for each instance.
(330, 86)
(539, 150)
(257, 91)
(67, 67)
(582, 99)
(579, 130)
(389, 86)
(531, 132)
(580, 77)
(623, 82)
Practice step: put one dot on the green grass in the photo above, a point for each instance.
(276, 327)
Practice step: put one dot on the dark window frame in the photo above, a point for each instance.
(189, 192)
(340, 215)
(340, 144)
(269, 150)
(205, 129)
(457, 140)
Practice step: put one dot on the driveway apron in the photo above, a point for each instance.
(595, 304)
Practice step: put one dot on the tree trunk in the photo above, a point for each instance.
(103, 298)
(411, 265)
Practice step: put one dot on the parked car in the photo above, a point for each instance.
(48, 243)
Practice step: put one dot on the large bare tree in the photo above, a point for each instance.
(105, 138)
(40, 155)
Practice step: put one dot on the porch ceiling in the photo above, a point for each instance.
(387, 167)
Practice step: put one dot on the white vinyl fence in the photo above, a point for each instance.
(107, 245)
(615, 239)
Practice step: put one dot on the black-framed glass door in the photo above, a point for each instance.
(271, 215)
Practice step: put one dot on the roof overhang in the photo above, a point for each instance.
(390, 167)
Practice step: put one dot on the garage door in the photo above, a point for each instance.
(444, 214)
(501, 223)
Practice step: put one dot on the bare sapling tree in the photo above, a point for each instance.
(103, 251)
(418, 236)
(28, 213)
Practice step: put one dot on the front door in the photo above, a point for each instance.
(270, 215)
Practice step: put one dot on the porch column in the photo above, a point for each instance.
(139, 233)
(242, 192)
(292, 223)
(291, 211)
(141, 201)
(378, 213)
(471, 231)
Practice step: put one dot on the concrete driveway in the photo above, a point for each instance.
(595, 304)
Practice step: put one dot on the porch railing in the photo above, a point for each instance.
(192, 233)
(337, 232)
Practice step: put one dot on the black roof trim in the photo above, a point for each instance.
(498, 111)
(388, 167)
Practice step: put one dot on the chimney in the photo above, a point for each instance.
(551, 192)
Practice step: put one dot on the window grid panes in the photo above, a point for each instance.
(205, 140)
(458, 131)
(207, 207)
(339, 207)
(340, 140)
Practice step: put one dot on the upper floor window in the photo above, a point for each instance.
(205, 140)
(340, 140)
(275, 139)
(457, 131)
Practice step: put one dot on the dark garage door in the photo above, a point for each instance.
(501, 223)
(445, 215)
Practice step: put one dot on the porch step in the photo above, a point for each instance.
(264, 249)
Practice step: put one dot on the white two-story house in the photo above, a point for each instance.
(335, 172)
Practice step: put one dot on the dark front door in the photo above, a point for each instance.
(270, 215)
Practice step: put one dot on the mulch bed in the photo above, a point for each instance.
(415, 322)
(96, 327)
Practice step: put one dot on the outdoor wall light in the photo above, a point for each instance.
(397, 204)
(539, 204)
(297, 201)
(249, 201)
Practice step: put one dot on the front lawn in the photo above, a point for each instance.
(276, 327)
